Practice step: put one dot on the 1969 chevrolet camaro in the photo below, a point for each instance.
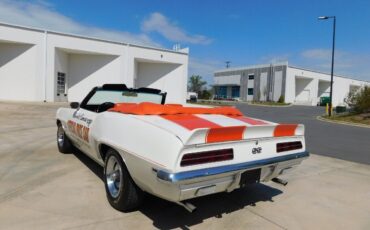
(174, 152)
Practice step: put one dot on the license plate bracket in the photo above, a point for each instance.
(250, 177)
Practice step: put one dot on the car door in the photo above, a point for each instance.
(79, 126)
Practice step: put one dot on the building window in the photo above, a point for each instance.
(251, 77)
(61, 83)
(250, 91)
(235, 91)
(222, 92)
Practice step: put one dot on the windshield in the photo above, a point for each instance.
(115, 96)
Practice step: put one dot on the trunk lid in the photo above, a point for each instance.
(197, 129)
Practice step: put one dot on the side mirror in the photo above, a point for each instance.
(74, 105)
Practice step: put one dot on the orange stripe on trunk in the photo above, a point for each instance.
(190, 121)
(284, 130)
(232, 133)
(248, 120)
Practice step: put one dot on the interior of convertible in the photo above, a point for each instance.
(101, 99)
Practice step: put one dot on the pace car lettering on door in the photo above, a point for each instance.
(79, 130)
(81, 117)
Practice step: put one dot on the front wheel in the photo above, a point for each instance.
(64, 144)
(122, 192)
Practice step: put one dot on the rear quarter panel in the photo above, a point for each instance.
(141, 145)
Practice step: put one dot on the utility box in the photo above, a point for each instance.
(340, 109)
(324, 101)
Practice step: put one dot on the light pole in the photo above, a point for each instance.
(332, 61)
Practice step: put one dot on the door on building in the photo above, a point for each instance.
(250, 94)
(223, 92)
(303, 97)
(235, 91)
(61, 87)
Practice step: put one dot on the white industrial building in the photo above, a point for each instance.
(40, 65)
(269, 82)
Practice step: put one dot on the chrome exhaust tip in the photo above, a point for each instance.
(188, 206)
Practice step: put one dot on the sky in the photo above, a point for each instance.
(244, 32)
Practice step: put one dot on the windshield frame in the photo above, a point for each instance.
(120, 87)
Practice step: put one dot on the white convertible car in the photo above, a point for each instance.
(174, 152)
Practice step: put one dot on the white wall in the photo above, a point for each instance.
(87, 71)
(324, 89)
(30, 73)
(160, 76)
(263, 86)
(278, 82)
(305, 90)
(174, 83)
(341, 85)
(227, 80)
(18, 83)
(21, 68)
(86, 59)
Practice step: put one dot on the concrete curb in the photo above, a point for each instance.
(233, 103)
(320, 118)
(276, 106)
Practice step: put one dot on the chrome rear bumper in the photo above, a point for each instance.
(198, 174)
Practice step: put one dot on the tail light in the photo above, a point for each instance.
(207, 157)
(287, 146)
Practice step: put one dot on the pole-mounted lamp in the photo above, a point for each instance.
(332, 61)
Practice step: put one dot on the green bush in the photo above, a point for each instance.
(205, 94)
(360, 101)
(281, 99)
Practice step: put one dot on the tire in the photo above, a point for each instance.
(122, 192)
(64, 143)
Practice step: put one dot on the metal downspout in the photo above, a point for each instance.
(45, 61)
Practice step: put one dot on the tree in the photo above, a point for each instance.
(196, 84)
(206, 94)
(360, 100)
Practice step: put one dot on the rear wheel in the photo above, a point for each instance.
(122, 192)
(64, 144)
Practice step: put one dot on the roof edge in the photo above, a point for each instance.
(322, 72)
(281, 64)
(251, 66)
(90, 38)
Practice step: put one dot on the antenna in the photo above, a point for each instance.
(227, 64)
(176, 47)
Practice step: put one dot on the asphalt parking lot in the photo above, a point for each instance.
(43, 189)
(334, 140)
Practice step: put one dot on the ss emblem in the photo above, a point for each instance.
(256, 150)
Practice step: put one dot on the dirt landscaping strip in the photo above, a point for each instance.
(320, 118)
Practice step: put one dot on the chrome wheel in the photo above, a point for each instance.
(60, 136)
(113, 173)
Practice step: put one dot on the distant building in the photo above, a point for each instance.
(269, 82)
(42, 65)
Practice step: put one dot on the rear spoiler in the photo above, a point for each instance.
(238, 133)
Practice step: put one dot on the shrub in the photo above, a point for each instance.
(281, 99)
(360, 100)
(205, 94)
